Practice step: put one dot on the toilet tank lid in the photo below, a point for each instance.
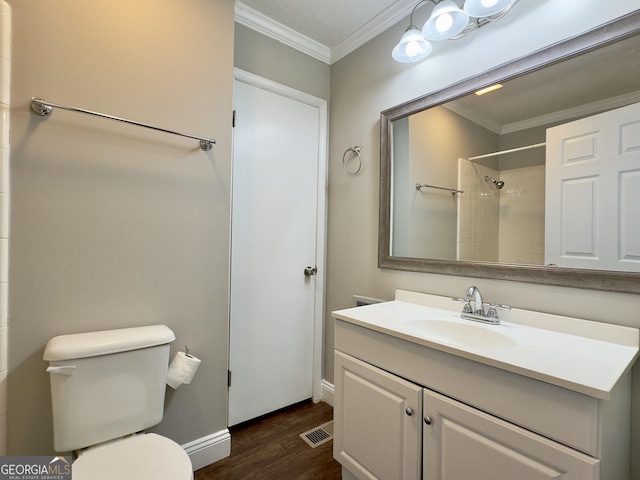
(93, 344)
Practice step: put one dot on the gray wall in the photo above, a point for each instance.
(112, 225)
(280, 63)
(369, 81)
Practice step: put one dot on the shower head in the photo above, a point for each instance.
(499, 184)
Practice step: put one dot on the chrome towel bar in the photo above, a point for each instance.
(44, 108)
(424, 185)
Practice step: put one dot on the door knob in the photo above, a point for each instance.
(310, 271)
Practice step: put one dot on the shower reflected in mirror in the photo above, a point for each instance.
(499, 184)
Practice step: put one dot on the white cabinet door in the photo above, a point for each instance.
(462, 443)
(592, 213)
(378, 431)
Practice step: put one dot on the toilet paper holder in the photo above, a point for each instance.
(182, 368)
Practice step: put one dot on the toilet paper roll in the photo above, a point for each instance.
(182, 369)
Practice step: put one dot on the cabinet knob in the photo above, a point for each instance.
(408, 411)
(427, 420)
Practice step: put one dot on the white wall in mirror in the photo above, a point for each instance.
(482, 223)
(427, 225)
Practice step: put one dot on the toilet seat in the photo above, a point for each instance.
(147, 456)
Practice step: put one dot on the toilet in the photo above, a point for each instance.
(107, 387)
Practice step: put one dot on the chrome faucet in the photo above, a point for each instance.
(477, 312)
(478, 307)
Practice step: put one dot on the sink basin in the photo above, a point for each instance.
(462, 334)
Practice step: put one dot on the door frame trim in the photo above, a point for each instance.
(321, 211)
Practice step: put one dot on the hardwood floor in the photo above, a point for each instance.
(270, 448)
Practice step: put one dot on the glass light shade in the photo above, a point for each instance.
(412, 47)
(446, 21)
(486, 8)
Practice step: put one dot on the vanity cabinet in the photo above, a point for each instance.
(404, 411)
(386, 426)
(377, 421)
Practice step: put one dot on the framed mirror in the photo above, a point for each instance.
(468, 206)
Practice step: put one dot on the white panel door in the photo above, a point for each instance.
(462, 443)
(274, 237)
(592, 217)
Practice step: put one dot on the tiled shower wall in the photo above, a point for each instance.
(522, 216)
(505, 225)
(5, 77)
(478, 213)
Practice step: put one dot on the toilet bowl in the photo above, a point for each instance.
(133, 458)
(106, 388)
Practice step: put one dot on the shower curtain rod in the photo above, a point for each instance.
(44, 108)
(494, 154)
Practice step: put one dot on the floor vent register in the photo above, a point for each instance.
(319, 435)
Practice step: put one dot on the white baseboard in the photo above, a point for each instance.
(207, 450)
(327, 392)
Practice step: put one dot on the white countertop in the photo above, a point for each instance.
(580, 355)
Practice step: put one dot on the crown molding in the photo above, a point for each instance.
(576, 112)
(551, 118)
(259, 22)
(255, 20)
(381, 22)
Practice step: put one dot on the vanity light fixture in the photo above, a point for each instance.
(447, 21)
(412, 46)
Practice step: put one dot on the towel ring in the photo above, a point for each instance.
(356, 153)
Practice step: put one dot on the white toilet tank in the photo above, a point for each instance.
(107, 384)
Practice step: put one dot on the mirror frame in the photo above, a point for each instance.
(604, 280)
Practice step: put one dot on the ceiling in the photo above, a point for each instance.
(581, 86)
(327, 30)
(331, 29)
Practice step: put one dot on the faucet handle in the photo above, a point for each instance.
(501, 307)
(466, 308)
(494, 307)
